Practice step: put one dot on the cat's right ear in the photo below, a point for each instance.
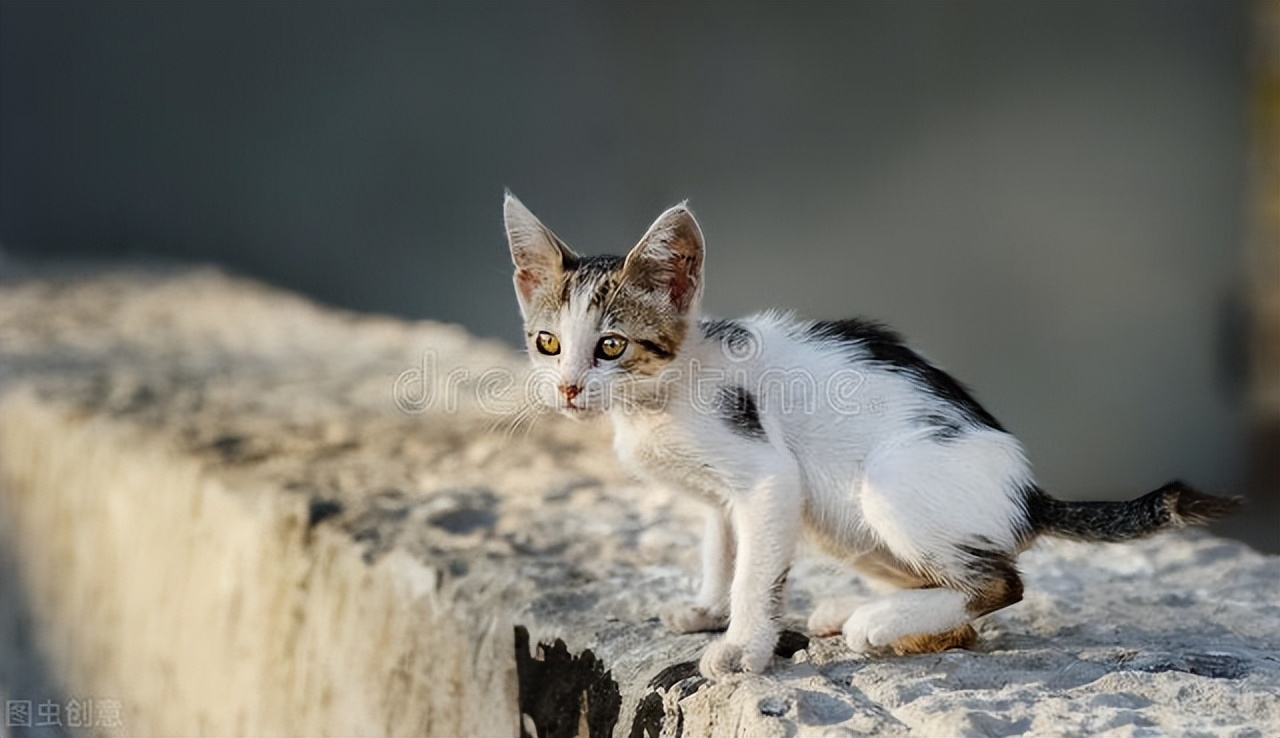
(539, 255)
(668, 258)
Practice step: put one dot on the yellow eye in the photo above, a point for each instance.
(611, 347)
(547, 343)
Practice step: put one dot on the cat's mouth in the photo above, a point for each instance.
(577, 412)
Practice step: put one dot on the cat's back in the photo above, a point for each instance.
(848, 382)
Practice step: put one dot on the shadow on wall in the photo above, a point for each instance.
(26, 681)
(1046, 198)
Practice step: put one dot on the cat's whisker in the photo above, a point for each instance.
(509, 422)
(525, 419)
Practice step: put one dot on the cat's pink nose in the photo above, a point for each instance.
(570, 391)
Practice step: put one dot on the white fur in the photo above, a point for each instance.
(861, 476)
(843, 456)
(919, 494)
(881, 622)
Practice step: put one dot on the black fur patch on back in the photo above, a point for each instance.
(887, 348)
(718, 328)
(737, 342)
(738, 409)
(941, 427)
(728, 332)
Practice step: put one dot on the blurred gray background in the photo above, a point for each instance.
(1048, 198)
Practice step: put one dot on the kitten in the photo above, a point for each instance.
(833, 428)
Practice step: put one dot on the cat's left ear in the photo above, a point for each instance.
(539, 255)
(669, 258)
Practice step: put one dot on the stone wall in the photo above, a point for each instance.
(231, 512)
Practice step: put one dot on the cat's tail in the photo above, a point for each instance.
(1174, 505)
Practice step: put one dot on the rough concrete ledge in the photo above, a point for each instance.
(213, 511)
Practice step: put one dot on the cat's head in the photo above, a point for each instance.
(600, 329)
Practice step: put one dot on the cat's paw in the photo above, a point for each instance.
(686, 618)
(869, 629)
(725, 657)
(911, 621)
(829, 617)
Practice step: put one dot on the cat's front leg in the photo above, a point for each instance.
(710, 609)
(766, 523)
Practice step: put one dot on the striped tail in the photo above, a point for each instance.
(1174, 505)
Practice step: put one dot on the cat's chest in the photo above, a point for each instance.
(660, 449)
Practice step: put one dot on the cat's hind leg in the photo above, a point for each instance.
(911, 621)
(829, 617)
(879, 624)
(936, 617)
(950, 514)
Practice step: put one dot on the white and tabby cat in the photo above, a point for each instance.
(917, 485)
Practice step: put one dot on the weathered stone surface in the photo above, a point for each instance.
(213, 510)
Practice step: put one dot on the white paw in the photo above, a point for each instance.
(828, 618)
(869, 628)
(724, 657)
(686, 618)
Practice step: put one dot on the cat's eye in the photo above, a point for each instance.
(611, 347)
(547, 343)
